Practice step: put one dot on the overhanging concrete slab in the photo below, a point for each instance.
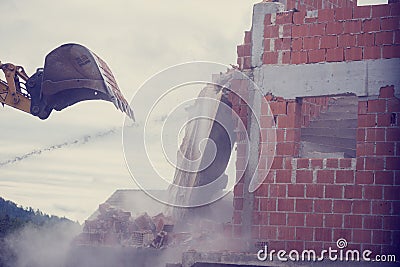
(363, 78)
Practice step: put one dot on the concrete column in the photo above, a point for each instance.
(255, 96)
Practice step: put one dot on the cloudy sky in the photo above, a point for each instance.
(137, 39)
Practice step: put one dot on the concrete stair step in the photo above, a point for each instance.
(334, 123)
(322, 155)
(330, 141)
(310, 148)
(344, 100)
(349, 133)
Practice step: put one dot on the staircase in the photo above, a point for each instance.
(333, 133)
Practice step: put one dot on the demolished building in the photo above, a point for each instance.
(329, 75)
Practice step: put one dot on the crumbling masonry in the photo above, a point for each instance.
(312, 58)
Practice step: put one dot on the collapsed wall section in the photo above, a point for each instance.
(300, 60)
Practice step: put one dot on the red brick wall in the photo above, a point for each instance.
(332, 35)
(310, 203)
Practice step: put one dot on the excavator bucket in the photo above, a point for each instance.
(72, 73)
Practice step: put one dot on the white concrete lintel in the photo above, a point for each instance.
(362, 78)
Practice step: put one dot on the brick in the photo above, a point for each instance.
(386, 92)
(391, 222)
(384, 177)
(299, 30)
(297, 44)
(323, 234)
(314, 220)
(304, 176)
(286, 233)
(303, 163)
(345, 163)
(352, 221)
(371, 25)
(325, 176)
(362, 107)
(244, 50)
(342, 233)
(292, 135)
(285, 204)
(326, 15)
(385, 148)
(361, 135)
(362, 207)
(380, 11)
(375, 134)
(282, 44)
(277, 190)
(311, 43)
(332, 163)
(304, 233)
(372, 52)
(285, 149)
(344, 13)
(277, 218)
(368, 120)
(271, 31)
(299, 57)
(315, 56)
(316, 29)
(315, 191)
(353, 191)
(333, 220)
(333, 191)
(397, 37)
(295, 190)
(372, 222)
(304, 205)
(360, 164)
(298, 17)
(378, 105)
(316, 163)
(352, 26)
(362, 236)
(347, 40)
(365, 39)
(335, 55)
(270, 57)
(342, 206)
(374, 163)
(329, 41)
(267, 19)
(345, 176)
(365, 149)
(284, 18)
(247, 37)
(383, 120)
(393, 105)
(335, 28)
(238, 203)
(390, 24)
(381, 237)
(391, 192)
(384, 38)
(373, 192)
(393, 134)
(353, 53)
(394, 8)
(391, 51)
(323, 205)
(267, 204)
(363, 12)
(381, 207)
(268, 232)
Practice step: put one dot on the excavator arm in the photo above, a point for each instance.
(71, 74)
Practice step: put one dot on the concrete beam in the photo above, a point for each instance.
(362, 78)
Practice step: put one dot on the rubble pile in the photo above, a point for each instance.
(115, 227)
